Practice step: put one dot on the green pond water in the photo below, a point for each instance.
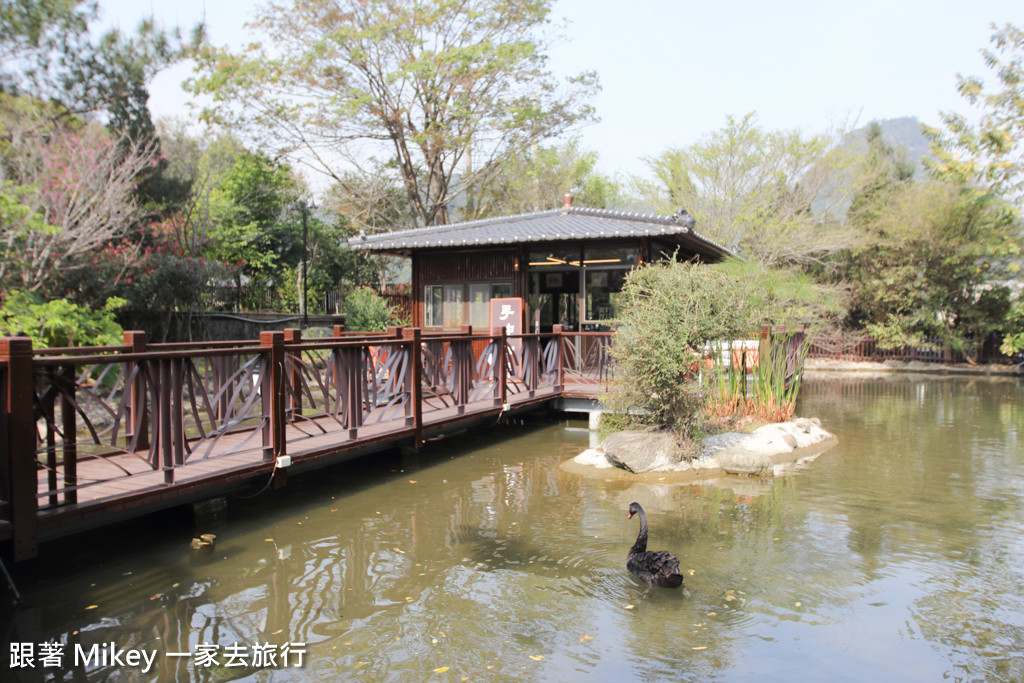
(896, 555)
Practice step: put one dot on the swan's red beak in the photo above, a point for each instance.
(629, 515)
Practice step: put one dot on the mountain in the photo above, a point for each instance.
(903, 133)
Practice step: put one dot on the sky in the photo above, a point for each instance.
(673, 71)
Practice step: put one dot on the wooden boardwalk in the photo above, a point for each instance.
(118, 433)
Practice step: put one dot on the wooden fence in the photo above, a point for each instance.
(88, 431)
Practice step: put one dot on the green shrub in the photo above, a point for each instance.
(668, 369)
(367, 311)
(59, 322)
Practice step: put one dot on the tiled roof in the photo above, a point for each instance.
(575, 223)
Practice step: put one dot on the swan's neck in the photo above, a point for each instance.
(641, 539)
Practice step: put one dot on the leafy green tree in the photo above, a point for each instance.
(775, 196)
(432, 86)
(535, 180)
(990, 151)
(49, 51)
(932, 266)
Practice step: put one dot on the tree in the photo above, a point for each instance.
(49, 52)
(988, 153)
(74, 183)
(775, 196)
(932, 266)
(536, 179)
(432, 85)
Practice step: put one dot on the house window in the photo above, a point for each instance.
(603, 292)
(452, 305)
(433, 309)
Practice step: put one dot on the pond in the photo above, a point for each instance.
(896, 555)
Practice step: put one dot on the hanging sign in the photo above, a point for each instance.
(507, 313)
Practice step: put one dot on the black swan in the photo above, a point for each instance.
(652, 567)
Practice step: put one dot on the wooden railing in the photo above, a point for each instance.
(867, 349)
(79, 422)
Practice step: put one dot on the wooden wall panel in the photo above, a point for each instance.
(481, 266)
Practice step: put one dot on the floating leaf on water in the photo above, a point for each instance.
(441, 633)
(268, 540)
(490, 666)
(702, 647)
(582, 638)
(433, 641)
(799, 604)
(536, 658)
(348, 642)
(692, 572)
(175, 585)
(412, 481)
(399, 550)
(628, 607)
(92, 607)
(156, 596)
(730, 597)
(712, 614)
(408, 599)
(334, 509)
(440, 669)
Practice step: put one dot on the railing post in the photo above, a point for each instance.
(557, 331)
(502, 372)
(462, 362)
(337, 330)
(293, 371)
(272, 345)
(138, 416)
(414, 380)
(66, 376)
(20, 444)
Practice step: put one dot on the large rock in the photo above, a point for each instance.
(737, 460)
(643, 451)
(757, 453)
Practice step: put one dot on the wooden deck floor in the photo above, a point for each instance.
(123, 485)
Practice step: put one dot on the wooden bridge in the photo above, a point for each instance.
(93, 435)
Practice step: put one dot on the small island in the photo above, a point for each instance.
(767, 451)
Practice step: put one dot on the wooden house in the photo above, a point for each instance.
(568, 264)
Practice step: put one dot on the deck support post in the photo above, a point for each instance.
(557, 331)
(272, 345)
(414, 380)
(501, 369)
(19, 454)
(69, 424)
(138, 417)
(293, 373)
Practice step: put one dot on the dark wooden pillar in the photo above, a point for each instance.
(272, 388)
(20, 447)
(293, 374)
(138, 416)
(414, 381)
